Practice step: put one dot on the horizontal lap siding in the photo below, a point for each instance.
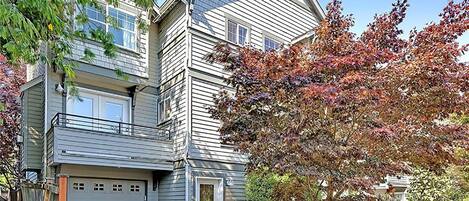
(177, 124)
(171, 44)
(145, 153)
(206, 143)
(285, 19)
(145, 112)
(172, 186)
(33, 127)
(201, 46)
(134, 62)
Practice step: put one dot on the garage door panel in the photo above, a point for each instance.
(86, 189)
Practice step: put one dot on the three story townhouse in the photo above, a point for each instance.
(150, 137)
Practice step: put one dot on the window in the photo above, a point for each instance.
(237, 33)
(270, 44)
(209, 189)
(79, 186)
(98, 187)
(98, 105)
(121, 25)
(164, 108)
(134, 188)
(117, 187)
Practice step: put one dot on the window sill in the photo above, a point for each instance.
(165, 122)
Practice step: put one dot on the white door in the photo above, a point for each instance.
(99, 105)
(85, 189)
(209, 189)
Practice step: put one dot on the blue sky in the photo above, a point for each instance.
(419, 13)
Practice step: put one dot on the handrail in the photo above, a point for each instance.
(109, 126)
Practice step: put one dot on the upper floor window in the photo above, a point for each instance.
(237, 33)
(270, 44)
(164, 108)
(120, 24)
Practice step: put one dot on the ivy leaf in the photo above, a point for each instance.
(89, 56)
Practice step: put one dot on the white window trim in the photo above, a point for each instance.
(108, 24)
(271, 37)
(219, 193)
(238, 24)
(161, 116)
(103, 94)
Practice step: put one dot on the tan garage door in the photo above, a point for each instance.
(86, 189)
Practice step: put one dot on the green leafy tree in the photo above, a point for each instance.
(33, 30)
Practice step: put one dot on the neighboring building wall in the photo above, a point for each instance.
(32, 127)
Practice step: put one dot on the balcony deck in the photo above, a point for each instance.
(89, 141)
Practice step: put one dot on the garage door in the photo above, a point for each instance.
(85, 189)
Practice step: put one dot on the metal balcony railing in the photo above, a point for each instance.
(111, 127)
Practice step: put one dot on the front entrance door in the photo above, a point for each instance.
(209, 189)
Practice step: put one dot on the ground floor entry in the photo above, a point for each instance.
(94, 189)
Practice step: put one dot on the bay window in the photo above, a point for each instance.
(120, 24)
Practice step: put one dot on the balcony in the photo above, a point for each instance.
(81, 140)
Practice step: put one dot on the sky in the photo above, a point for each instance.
(419, 13)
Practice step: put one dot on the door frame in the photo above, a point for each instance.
(218, 185)
(99, 96)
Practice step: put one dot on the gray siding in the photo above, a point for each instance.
(206, 143)
(145, 112)
(171, 44)
(172, 186)
(75, 146)
(33, 127)
(134, 62)
(283, 20)
(177, 124)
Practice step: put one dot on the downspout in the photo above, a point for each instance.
(187, 166)
(44, 140)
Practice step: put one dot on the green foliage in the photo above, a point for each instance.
(260, 185)
(265, 185)
(428, 186)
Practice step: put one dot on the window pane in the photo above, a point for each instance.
(232, 32)
(207, 192)
(95, 20)
(243, 32)
(118, 35)
(270, 44)
(82, 107)
(123, 28)
(167, 105)
(161, 111)
(113, 111)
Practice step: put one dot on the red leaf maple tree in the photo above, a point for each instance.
(348, 110)
(11, 79)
